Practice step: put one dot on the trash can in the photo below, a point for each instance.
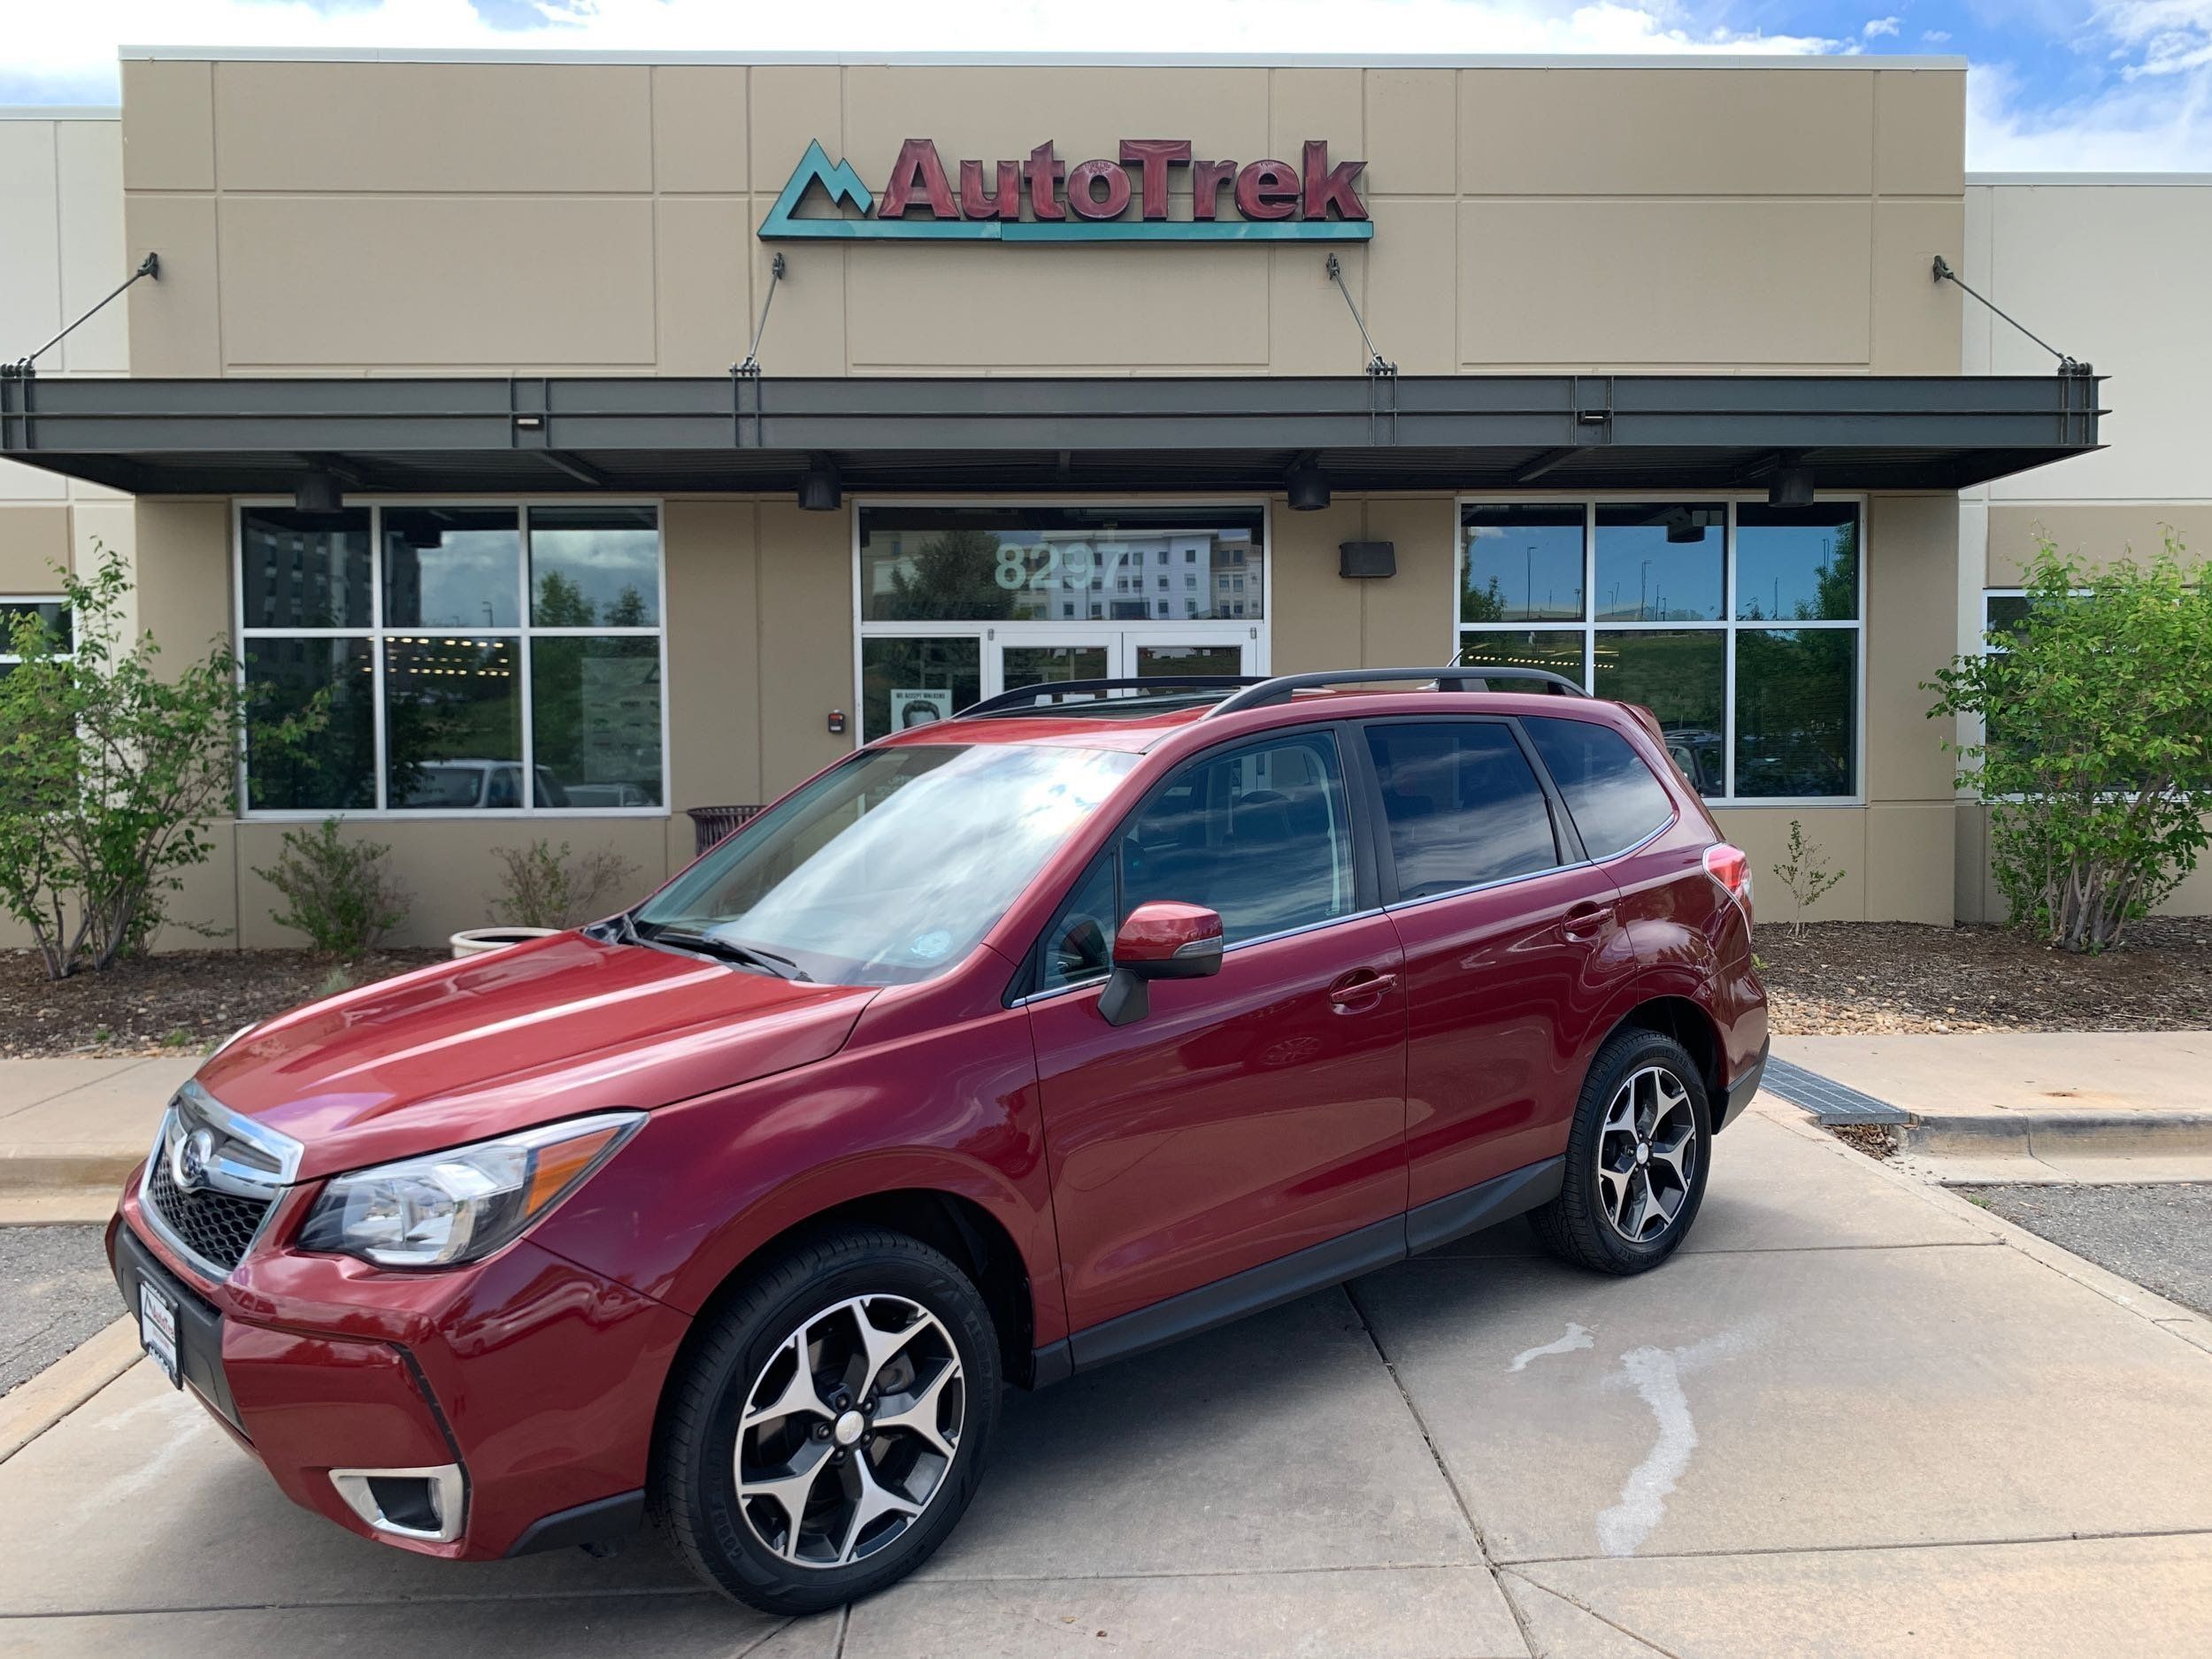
(711, 824)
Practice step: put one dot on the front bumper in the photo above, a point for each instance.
(522, 1388)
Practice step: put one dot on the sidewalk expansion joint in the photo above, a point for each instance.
(1514, 1563)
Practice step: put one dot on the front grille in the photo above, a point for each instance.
(215, 1227)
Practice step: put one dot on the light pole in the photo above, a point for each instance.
(1642, 589)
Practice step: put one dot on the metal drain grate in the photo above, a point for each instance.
(1825, 1098)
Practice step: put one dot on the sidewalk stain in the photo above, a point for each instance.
(1576, 1338)
(1655, 1373)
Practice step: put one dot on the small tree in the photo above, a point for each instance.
(1803, 871)
(2096, 753)
(340, 894)
(110, 773)
(541, 887)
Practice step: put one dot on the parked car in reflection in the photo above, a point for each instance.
(459, 785)
(1700, 752)
(607, 794)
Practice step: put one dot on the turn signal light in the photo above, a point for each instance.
(1731, 866)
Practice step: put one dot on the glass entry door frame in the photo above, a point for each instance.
(1108, 652)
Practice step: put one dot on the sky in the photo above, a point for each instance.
(2121, 85)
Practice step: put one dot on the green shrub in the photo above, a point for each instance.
(541, 886)
(340, 894)
(110, 773)
(1804, 871)
(2096, 755)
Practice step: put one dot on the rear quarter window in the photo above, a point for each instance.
(1615, 800)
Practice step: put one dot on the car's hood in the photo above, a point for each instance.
(493, 1043)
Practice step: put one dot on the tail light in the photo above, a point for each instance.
(1731, 866)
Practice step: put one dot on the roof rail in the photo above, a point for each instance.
(1027, 696)
(1280, 688)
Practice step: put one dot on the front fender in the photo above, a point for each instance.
(708, 1182)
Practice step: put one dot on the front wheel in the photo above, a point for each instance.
(828, 1429)
(1636, 1158)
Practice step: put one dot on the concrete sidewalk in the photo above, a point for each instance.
(2035, 1106)
(1856, 1416)
(71, 1129)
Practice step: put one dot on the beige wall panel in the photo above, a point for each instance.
(175, 324)
(1910, 873)
(1911, 631)
(168, 124)
(19, 482)
(1412, 284)
(792, 104)
(2115, 273)
(1316, 611)
(1665, 132)
(714, 695)
(30, 249)
(1324, 104)
(202, 915)
(434, 126)
(1412, 132)
(1407, 617)
(1616, 284)
(1310, 332)
(1920, 132)
(1974, 895)
(183, 564)
(2193, 897)
(88, 158)
(446, 865)
(110, 524)
(701, 261)
(806, 641)
(956, 308)
(1916, 320)
(1763, 833)
(700, 121)
(2099, 532)
(806, 327)
(986, 113)
(33, 540)
(437, 281)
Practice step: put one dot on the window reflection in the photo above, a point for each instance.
(1660, 562)
(1797, 563)
(1522, 563)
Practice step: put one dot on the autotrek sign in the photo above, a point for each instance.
(1133, 198)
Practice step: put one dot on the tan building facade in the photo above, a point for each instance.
(1672, 406)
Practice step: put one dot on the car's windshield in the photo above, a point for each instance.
(891, 867)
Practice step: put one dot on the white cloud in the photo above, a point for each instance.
(1876, 26)
(66, 50)
(1935, 37)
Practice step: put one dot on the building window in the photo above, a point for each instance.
(1738, 623)
(52, 615)
(462, 650)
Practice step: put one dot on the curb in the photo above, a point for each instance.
(46, 1399)
(1992, 1134)
(26, 1172)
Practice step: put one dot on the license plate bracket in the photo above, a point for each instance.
(158, 1330)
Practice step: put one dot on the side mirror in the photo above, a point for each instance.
(1162, 939)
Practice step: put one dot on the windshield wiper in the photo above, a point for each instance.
(728, 949)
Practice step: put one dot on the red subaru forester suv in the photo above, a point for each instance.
(1004, 1048)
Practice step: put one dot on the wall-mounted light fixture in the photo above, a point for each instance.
(1308, 487)
(819, 491)
(317, 492)
(1793, 487)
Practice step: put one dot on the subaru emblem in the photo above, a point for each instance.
(188, 1162)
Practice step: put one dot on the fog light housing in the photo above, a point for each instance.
(423, 1504)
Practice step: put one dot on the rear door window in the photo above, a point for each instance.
(1461, 803)
(1615, 800)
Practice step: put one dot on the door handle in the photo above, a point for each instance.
(1586, 920)
(1362, 989)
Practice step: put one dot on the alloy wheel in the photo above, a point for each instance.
(1647, 1153)
(850, 1430)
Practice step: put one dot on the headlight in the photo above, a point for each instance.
(454, 1207)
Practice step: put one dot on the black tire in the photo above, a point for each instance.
(696, 1480)
(1575, 1225)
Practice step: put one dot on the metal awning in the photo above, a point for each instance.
(515, 433)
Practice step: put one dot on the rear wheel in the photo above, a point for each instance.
(829, 1428)
(1636, 1158)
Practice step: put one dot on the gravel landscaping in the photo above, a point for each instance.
(1850, 978)
(174, 1002)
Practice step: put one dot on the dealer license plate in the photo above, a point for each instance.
(157, 1329)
